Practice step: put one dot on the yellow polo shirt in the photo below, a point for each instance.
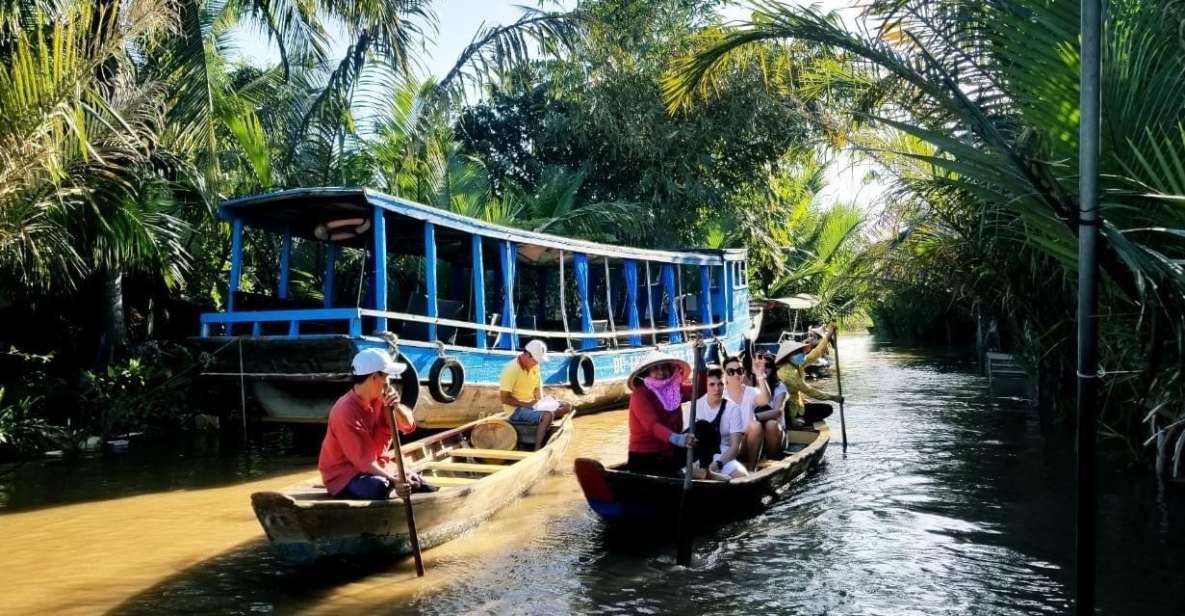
(520, 383)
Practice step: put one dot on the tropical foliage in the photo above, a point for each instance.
(122, 125)
(973, 108)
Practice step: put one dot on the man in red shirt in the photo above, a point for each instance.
(354, 455)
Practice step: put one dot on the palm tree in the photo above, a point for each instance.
(991, 89)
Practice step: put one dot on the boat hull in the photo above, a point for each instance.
(631, 500)
(299, 380)
(303, 530)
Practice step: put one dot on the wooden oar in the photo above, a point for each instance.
(683, 532)
(843, 428)
(411, 517)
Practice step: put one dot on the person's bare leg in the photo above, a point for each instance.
(541, 430)
(773, 439)
(752, 444)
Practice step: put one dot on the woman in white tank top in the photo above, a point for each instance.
(747, 398)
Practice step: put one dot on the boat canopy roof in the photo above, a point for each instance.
(299, 212)
(801, 301)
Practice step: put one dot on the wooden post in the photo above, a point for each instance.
(327, 285)
(430, 276)
(380, 267)
(285, 264)
(479, 290)
(236, 265)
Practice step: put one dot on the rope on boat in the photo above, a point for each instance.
(242, 390)
(564, 304)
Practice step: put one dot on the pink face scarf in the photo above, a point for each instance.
(668, 390)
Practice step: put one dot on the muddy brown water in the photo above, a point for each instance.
(946, 502)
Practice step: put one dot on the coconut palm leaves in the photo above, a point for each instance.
(991, 89)
(75, 149)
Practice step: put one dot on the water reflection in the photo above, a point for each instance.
(945, 503)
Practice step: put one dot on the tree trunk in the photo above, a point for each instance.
(114, 328)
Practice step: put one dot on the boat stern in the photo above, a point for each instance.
(591, 476)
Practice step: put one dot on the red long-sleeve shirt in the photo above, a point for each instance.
(650, 424)
(357, 435)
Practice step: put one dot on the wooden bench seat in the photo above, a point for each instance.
(493, 454)
(463, 467)
(448, 482)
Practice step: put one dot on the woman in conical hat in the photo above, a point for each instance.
(658, 388)
(791, 360)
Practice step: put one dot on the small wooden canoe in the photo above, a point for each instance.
(626, 499)
(304, 523)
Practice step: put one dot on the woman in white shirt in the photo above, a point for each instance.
(771, 416)
(746, 398)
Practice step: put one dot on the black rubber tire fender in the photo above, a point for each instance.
(446, 393)
(582, 373)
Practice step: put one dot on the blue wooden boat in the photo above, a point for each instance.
(455, 298)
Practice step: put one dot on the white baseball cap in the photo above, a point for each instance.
(370, 361)
(537, 349)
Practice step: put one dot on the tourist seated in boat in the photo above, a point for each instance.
(792, 360)
(747, 398)
(771, 416)
(718, 431)
(658, 388)
(521, 391)
(354, 460)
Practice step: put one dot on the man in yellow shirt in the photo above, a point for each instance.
(791, 360)
(521, 388)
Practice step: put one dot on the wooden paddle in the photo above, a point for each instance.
(843, 428)
(683, 531)
(411, 517)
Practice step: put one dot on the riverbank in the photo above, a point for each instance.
(943, 503)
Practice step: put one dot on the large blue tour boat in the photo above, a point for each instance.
(456, 298)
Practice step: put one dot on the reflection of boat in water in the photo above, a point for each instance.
(456, 298)
(784, 319)
(304, 523)
(626, 499)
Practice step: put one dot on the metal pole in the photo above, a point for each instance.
(1088, 222)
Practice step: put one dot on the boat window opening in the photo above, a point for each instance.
(324, 280)
(614, 341)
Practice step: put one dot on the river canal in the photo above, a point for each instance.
(944, 503)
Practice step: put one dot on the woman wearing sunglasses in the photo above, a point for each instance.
(770, 416)
(747, 398)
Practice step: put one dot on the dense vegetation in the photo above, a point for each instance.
(972, 107)
(122, 125)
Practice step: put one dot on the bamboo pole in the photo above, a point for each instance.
(1088, 224)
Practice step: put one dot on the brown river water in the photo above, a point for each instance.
(947, 502)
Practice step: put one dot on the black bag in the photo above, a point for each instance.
(707, 436)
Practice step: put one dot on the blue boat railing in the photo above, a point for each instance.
(354, 318)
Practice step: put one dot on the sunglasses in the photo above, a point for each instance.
(734, 371)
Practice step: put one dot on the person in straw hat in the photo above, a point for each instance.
(355, 457)
(792, 359)
(658, 388)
